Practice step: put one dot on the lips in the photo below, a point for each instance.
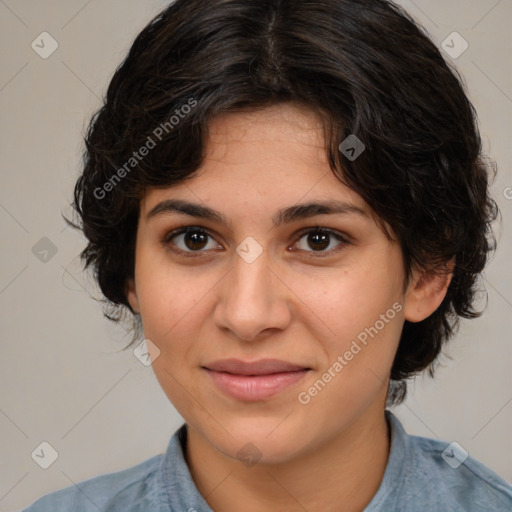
(261, 367)
(254, 381)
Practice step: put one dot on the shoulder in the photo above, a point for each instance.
(131, 489)
(429, 474)
(454, 480)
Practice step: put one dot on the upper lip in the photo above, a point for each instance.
(260, 367)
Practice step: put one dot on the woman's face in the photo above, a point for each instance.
(264, 283)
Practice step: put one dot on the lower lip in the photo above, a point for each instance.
(252, 388)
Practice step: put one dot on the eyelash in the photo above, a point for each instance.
(196, 229)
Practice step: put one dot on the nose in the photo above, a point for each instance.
(254, 299)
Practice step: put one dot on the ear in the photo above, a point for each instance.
(426, 291)
(131, 295)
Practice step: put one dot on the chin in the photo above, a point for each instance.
(260, 450)
(257, 440)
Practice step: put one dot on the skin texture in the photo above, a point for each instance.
(294, 303)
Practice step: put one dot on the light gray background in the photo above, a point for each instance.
(63, 379)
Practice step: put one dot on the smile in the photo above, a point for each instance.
(254, 381)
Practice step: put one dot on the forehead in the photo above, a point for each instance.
(261, 166)
(283, 134)
(280, 148)
(291, 121)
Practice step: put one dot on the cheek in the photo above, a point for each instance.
(351, 301)
(169, 298)
(357, 359)
(171, 310)
(362, 309)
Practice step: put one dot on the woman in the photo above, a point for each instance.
(291, 201)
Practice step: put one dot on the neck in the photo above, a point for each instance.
(345, 471)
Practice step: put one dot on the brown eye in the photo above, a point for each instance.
(195, 240)
(191, 239)
(319, 239)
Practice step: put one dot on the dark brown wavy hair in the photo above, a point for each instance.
(366, 68)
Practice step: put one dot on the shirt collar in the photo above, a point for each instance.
(176, 480)
(397, 468)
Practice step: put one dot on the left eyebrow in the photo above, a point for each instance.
(284, 216)
(306, 210)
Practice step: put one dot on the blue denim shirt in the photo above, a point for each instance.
(422, 475)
